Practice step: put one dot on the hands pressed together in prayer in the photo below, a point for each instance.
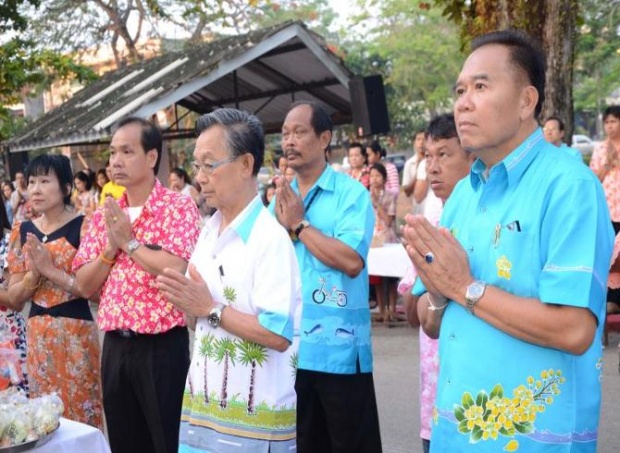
(38, 258)
(118, 227)
(440, 261)
(191, 295)
(289, 206)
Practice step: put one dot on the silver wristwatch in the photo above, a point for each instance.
(215, 315)
(132, 246)
(473, 294)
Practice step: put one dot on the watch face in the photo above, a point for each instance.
(475, 291)
(213, 320)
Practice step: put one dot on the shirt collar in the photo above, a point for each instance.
(326, 181)
(514, 164)
(245, 221)
(156, 194)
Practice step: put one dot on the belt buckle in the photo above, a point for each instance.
(126, 333)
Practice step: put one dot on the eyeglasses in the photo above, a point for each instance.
(209, 168)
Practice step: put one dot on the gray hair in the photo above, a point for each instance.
(244, 133)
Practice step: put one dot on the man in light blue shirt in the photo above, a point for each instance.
(330, 219)
(516, 278)
(554, 134)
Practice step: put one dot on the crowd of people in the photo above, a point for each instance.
(510, 238)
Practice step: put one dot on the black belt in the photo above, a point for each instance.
(74, 309)
(127, 333)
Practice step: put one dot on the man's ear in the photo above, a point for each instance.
(247, 163)
(529, 99)
(325, 138)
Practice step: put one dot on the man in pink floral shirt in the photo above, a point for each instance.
(146, 344)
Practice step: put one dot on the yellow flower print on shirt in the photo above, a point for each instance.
(503, 267)
(494, 414)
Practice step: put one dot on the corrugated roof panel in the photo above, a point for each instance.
(103, 93)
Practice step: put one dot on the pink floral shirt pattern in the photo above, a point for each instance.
(429, 352)
(611, 183)
(129, 297)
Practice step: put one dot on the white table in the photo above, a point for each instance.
(391, 260)
(74, 437)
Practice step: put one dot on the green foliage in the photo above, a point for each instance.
(22, 67)
(11, 17)
(597, 62)
(417, 52)
(250, 352)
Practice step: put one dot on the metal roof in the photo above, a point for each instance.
(261, 72)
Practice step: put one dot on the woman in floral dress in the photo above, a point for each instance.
(12, 323)
(63, 347)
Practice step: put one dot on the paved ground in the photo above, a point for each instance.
(396, 382)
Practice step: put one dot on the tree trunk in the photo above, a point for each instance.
(204, 384)
(224, 394)
(559, 44)
(251, 393)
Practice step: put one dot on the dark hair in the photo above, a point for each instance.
(150, 137)
(560, 122)
(4, 218)
(525, 55)
(381, 169)
(84, 178)
(441, 127)
(320, 119)
(57, 164)
(362, 150)
(101, 171)
(10, 184)
(182, 174)
(264, 194)
(612, 110)
(376, 148)
(244, 133)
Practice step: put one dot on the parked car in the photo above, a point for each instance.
(397, 159)
(583, 144)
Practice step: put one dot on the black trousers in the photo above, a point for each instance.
(336, 413)
(143, 379)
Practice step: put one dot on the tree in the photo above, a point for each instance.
(417, 52)
(226, 351)
(26, 69)
(252, 354)
(553, 23)
(597, 61)
(207, 351)
(78, 25)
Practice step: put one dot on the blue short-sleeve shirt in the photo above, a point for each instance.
(335, 327)
(571, 151)
(537, 225)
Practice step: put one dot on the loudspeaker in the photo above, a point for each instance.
(370, 114)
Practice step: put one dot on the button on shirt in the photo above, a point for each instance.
(335, 326)
(129, 297)
(545, 233)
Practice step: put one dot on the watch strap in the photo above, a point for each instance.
(300, 227)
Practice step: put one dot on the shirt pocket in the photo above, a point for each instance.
(514, 262)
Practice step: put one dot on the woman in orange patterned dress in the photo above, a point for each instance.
(63, 347)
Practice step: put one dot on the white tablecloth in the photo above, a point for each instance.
(391, 260)
(74, 437)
